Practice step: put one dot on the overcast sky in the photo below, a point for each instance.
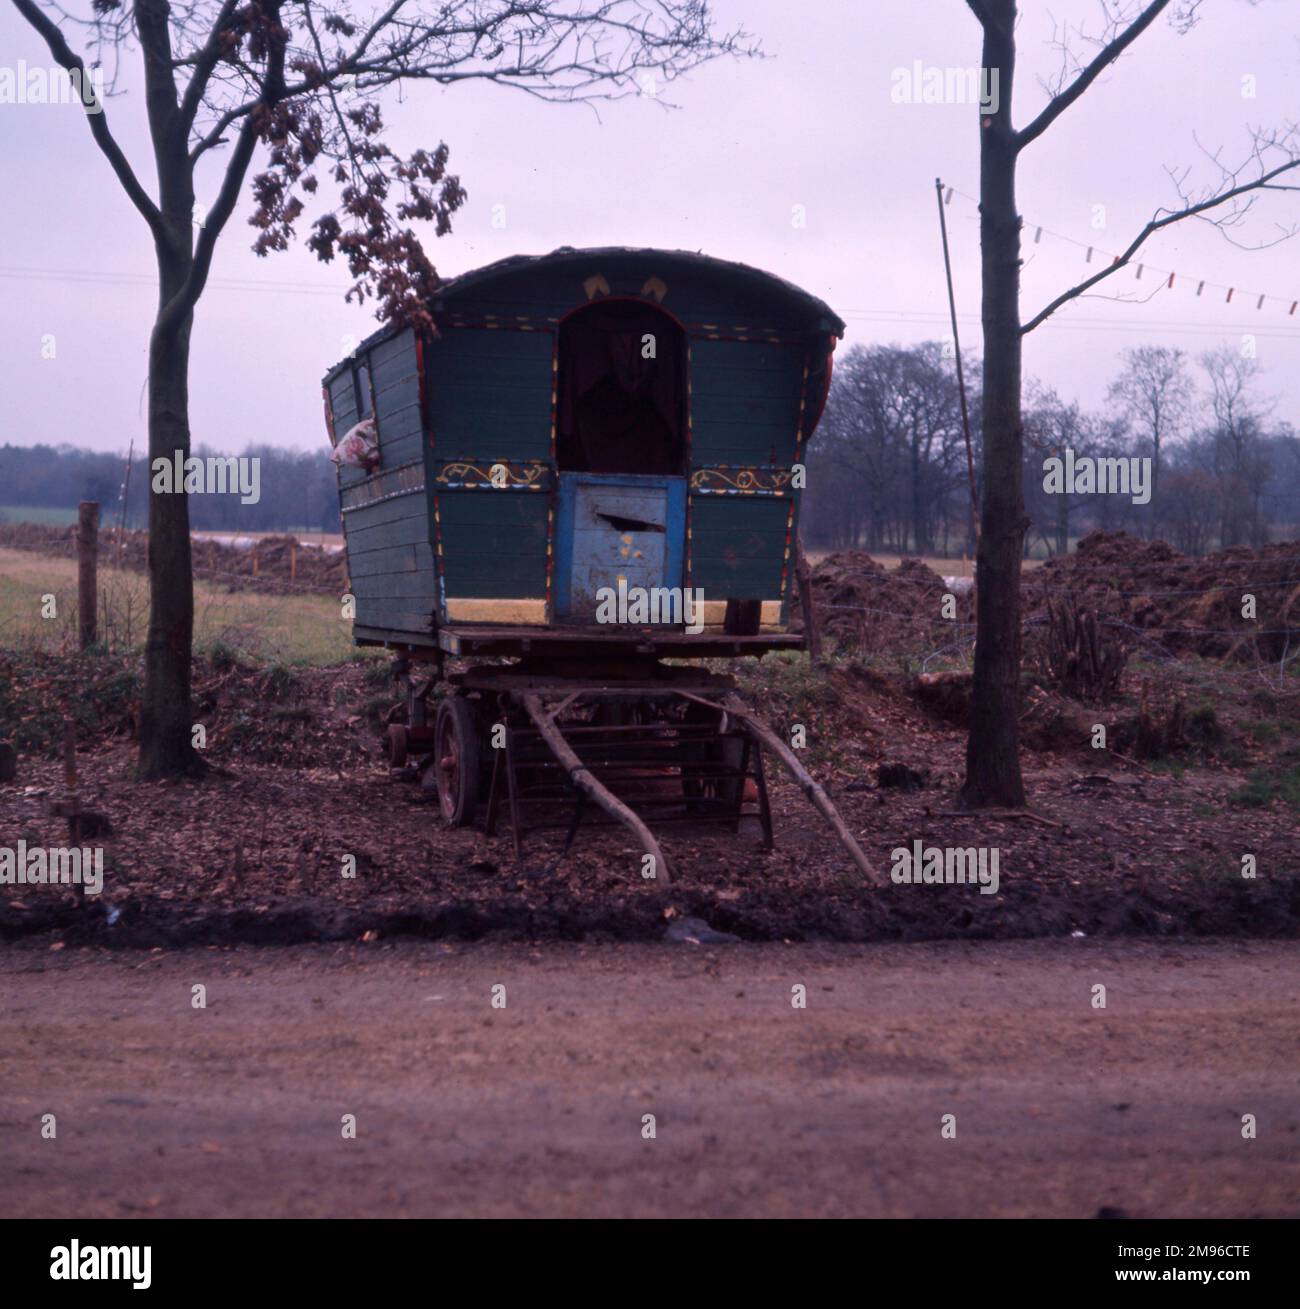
(815, 124)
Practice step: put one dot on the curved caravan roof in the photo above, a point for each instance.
(507, 277)
(703, 293)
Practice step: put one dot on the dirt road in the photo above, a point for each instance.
(760, 1108)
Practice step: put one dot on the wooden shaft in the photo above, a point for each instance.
(803, 575)
(585, 781)
(811, 788)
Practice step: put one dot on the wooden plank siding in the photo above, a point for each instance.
(390, 559)
(745, 413)
(737, 546)
(744, 402)
(490, 394)
(489, 400)
(432, 541)
(494, 543)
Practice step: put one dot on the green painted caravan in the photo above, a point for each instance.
(581, 420)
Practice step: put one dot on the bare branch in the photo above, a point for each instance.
(1110, 52)
(1240, 209)
(231, 185)
(1156, 224)
(95, 115)
(204, 61)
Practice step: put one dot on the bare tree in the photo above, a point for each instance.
(299, 83)
(856, 450)
(993, 776)
(1155, 393)
(889, 451)
(1050, 427)
(1234, 442)
(1191, 500)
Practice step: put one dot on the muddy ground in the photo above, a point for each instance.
(257, 851)
(1198, 782)
(761, 1109)
(330, 994)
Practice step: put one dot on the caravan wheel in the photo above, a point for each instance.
(456, 760)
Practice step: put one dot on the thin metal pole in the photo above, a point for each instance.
(961, 378)
(126, 496)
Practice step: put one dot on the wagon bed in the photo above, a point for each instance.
(519, 642)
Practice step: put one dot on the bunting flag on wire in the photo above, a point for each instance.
(1167, 274)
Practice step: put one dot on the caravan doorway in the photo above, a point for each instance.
(621, 452)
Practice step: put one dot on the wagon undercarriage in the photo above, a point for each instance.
(553, 747)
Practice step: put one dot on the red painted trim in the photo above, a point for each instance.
(688, 546)
(786, 560)
(825, 395)
(329, 415)
(439, 576)
(552, 508)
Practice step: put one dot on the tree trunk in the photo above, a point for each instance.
(166, 720)
(992, 749)
(918, 510)
(1153, 509)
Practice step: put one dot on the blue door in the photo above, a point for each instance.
(612, 527)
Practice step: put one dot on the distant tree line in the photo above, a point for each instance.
(887, 469)
(298, 488)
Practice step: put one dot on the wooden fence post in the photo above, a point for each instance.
(87, 570)
(803, 576)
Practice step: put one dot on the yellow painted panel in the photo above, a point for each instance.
(769, 618)
(523, 612)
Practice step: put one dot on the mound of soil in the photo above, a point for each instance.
(1148, 594)
(864, 606)
(1153, 594)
